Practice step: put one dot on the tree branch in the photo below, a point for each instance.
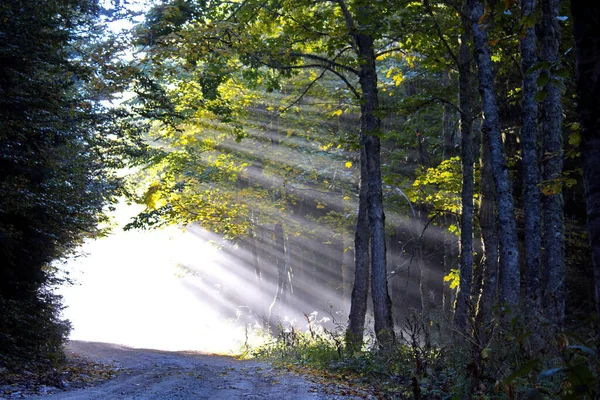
(324, 60)
(439, 32)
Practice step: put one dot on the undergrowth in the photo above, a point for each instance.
(565, 368)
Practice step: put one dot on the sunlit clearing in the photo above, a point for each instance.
(130, 289)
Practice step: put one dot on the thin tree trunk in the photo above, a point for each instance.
(509, 257)
(449, 150)
(466, 128)
(587, 51)
(552, 167)
(448, 121)
(423, 268)
(529, 156)
(360, 291)
(255, 259)
(280, 298)
(347, 260)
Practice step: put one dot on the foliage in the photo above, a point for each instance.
(58, 143)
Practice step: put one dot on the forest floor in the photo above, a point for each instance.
(109, 371)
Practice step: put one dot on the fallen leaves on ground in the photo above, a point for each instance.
(76, 372)
(336, 383)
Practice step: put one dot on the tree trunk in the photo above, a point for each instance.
(552, 167)
(448, 122)
(509, 257)
(587, 52)
(370, 129)
(466, 225)
(449, 150)
(280, 298)
(420, 254)
(531, 180)
(255, 258)
(489, 241)
(360, 291)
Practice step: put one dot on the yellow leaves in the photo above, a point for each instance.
(348, 164)
(320, 205)
(336, 113)
(453, 278)
(153, 197)
(396, 73)
(326, 147)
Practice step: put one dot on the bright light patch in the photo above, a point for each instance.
(130, 290)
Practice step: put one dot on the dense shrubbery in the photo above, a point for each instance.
(32, 331)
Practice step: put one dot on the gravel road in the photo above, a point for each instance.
(160, 375)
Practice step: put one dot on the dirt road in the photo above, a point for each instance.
(158, 375)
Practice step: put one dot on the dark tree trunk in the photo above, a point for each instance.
(587, 51)
(360, 291)
(489, 241)
(468, 185)
(531, 180)
(509, 257)
(370, 129)
(552, 167)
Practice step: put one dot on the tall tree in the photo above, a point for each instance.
(509, 256)
(467, 159)
(552, 165)
(529, 156)
(359, 26)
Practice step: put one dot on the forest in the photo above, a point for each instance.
(419, 172)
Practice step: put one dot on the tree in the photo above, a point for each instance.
(273, 41)
(54, 159)
(529, 156)
(509, 245)
(552, 165)
(467, 159)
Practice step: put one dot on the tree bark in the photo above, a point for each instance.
(468, 185)
(552, 167)
(489, 242)
(360, 291)
(370, 129)
(529, 156)
(587, 52)
(509, 256)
